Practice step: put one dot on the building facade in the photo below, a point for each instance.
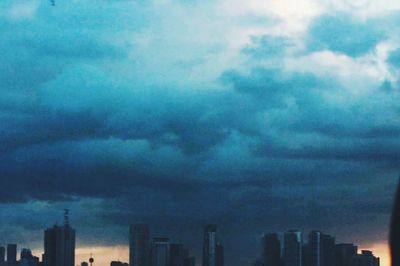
(139, 245)
(293, 246)
(59, 245)
(160, 251)
(271, 250)
(210, 245)
(11, 253)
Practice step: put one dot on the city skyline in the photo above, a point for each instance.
(253, 115)
(290, 248)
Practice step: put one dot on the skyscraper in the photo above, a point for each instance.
(59, 244)
(344, 253)
(177, 255)
(271, 252)
(2, 254)
(11, 253)
(314, 249)
(292, 252)
(160, 252)
(139, 245)
(328, 250)
(219, 255)
(209, 245)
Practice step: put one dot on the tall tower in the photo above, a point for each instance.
(59, 244)
(328, 250)
(271, 250)
(139, 245)
(344, 254)
(293, 245)
(11, 253)
(219, 255)
(160, 251)
(2, 255)
(210, 245)
(314, 249)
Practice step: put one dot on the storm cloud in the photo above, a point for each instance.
(181, 113)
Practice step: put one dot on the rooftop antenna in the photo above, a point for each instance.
(66, 217)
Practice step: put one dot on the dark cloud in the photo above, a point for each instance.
(266, 148)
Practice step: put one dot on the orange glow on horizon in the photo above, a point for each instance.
(103, 255)
(380, 250)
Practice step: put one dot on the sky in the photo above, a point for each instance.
(258, 116)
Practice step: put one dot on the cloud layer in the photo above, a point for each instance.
(257, 117)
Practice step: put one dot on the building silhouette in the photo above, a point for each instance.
(139, 245)
(328, 250)
(344, 254)
(209, 245)
(177, 255)
(313, 252)
(160, 251)
(118, 263)
(2, 255)
(293, 245)
(271, 250)
(11, 253)
(366, 258)
(219, 255)
(59, 244)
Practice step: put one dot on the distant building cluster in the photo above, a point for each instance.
(291, 250)
(59, 249)
(319, 250)
(161, 252)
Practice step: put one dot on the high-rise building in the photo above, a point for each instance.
(293, 245)
(139, 245)
(160, 252)
(344, 253)
(2, 254)
(271, 250)
(219, 255)
(320, 250)
(328, 250)
(59, 244)
(314, 249)
(209, 245)
(366, 258)
(11, 253)
(177, 255)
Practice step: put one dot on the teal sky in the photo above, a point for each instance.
(258, 116)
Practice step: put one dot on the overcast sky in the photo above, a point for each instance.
(258, 116)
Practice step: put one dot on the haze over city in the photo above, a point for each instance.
(257, 116)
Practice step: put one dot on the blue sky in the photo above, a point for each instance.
(256, 115)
